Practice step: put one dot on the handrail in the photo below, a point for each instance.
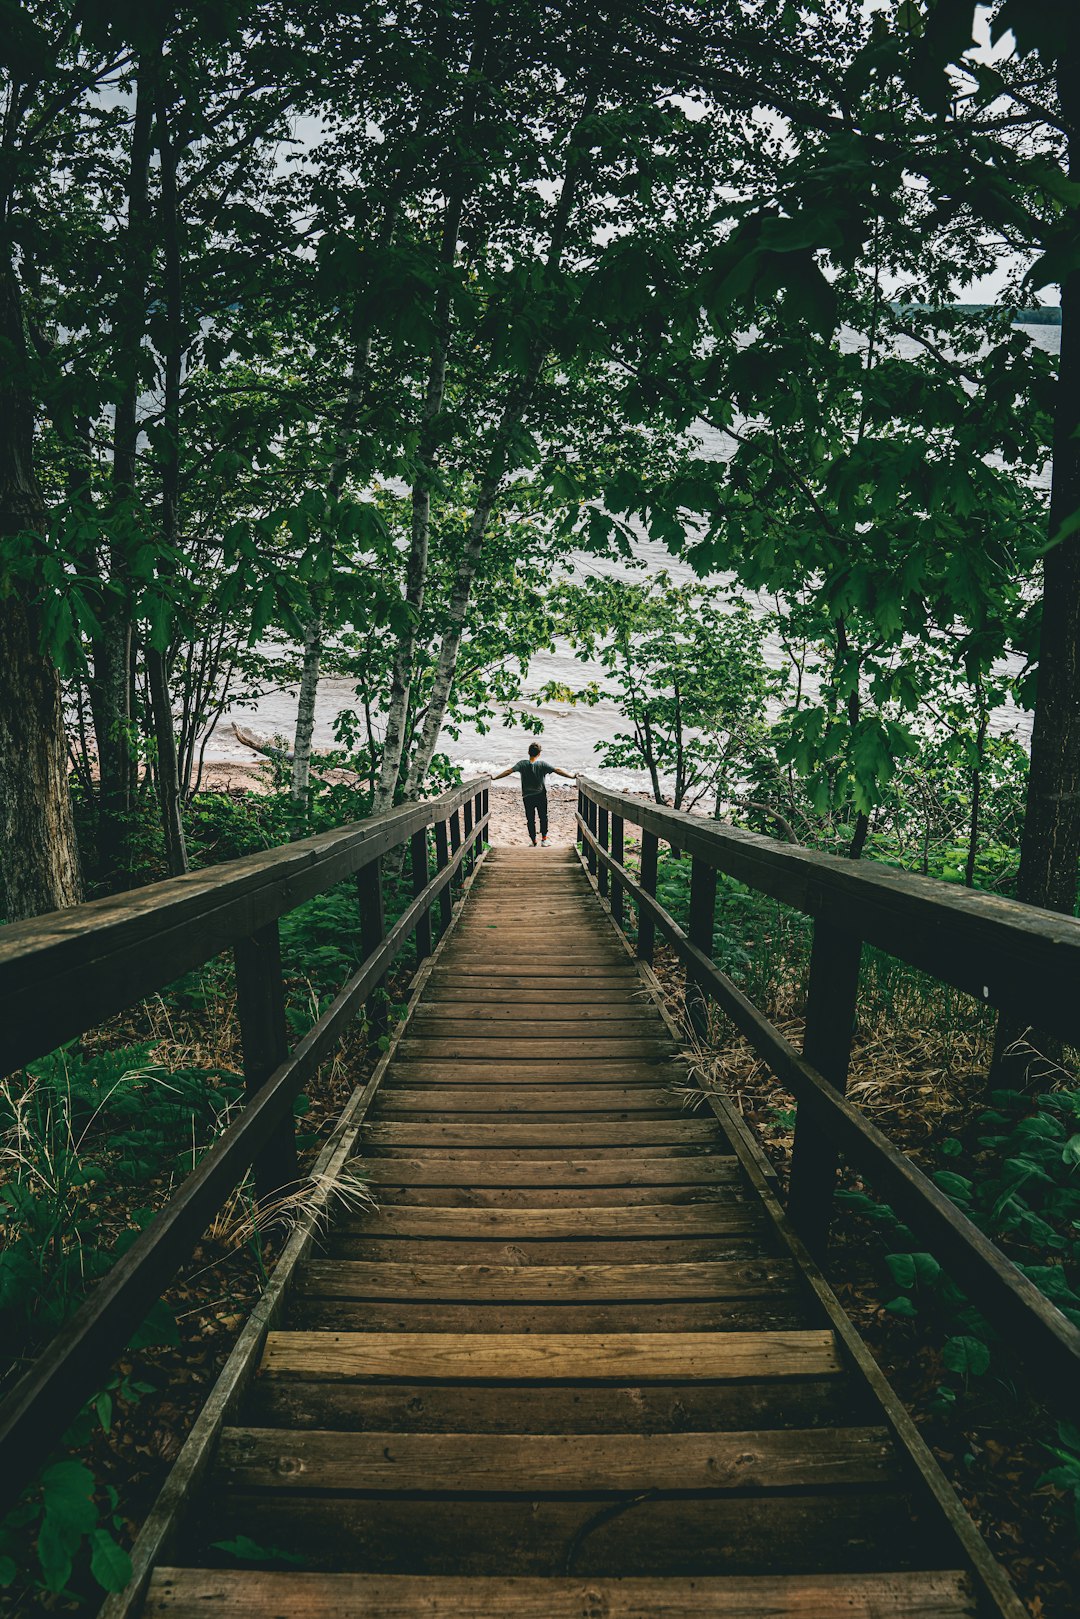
(130, 945)
(1012, 956)
(825, 1121)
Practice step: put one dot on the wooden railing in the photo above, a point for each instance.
(1015, 957)
(66, 972)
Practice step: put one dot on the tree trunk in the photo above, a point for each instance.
(113, 650)
(517, 403)
(305, 717)
(157, 660)
(401, 678)
(1050, 846)
(39, 859)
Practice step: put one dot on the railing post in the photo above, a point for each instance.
(605, 840)
(617, 853)
(420, 875)
(591, 819)
(369, 894)
(832, 995)
(260, 1004)
(478, 816)
(700, 933)
(466, 812)
(485, 806)
(646, 928)
(583, 813)
(442, 856)
(455, 832)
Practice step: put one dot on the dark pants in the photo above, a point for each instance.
(535, 804)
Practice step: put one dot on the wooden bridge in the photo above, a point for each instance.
(575, 1362)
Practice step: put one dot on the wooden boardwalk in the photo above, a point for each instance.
(573, 1364)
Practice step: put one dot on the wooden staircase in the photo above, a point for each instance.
(572, 1366)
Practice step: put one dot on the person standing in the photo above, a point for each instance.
(534, 789)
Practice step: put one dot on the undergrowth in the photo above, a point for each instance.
(94, 1140)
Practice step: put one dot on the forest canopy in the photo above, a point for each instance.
(334, 338)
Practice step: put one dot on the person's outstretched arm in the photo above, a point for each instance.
(570, 775)
(509, 771)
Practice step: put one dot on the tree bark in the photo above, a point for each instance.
(157, 658)
(305, 717)
(517, 403)
(401, 678)
(1050, 846)
(111, 684)
(39, 860)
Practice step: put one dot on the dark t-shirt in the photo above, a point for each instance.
(532, 773)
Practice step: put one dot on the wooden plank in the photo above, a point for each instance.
(542, 1464)
(586, 1357)
(432, 1170)
(661, 1133)
(559, 1408)
(515, 1225)
(556, 1197)
(587, 1010)
(177, 1593)
(723, 1279)
(547, 1251)
(584, 1033)
(571, 1099)
(711, 1534)
(570, 993)
(500, 1048)
(597, 1071)
(780, 1312)
(536, 975)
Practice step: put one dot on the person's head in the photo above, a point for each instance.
(534, 750)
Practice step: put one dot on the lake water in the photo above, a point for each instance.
(571, 733)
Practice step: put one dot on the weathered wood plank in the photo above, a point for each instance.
(542, 1464)
(505, 1048)
(555, 1197)
(547, 1008)
(586, 1357)
(513, 1225)
(443, 1170)
(684, 1534)
(780, 1312)
(547, 1251)
(597, 1071)
(250, 1594)
(624, 1032)
(723, 1279)
(610, 1100)
(559, 1408)
(662, 1133)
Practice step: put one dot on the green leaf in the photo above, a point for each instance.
(8, 1571)
(250, 1551)
(910, 1270)
(159, 1327)
(109, 1563)
(902, 1306)
(969, 1357)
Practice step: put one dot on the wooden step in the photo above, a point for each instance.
(498, 1047)
(779, 1312)
(518, 1225)
(550, 1009)
(557, 1408)
(585, 1357)
(192, 1593)
(544, 1464)
(802, 1532)
(610, 1100)
(556, 1197)
(511, 1283)
(625, 1033)
(594, 1071)
(753, 1243)
(629, 1135)
(504, 1171)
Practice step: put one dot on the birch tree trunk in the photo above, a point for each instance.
(157, 659)
(401, 677)
(111, 684)
(518, 402)
(305, 716)
(39, 859)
